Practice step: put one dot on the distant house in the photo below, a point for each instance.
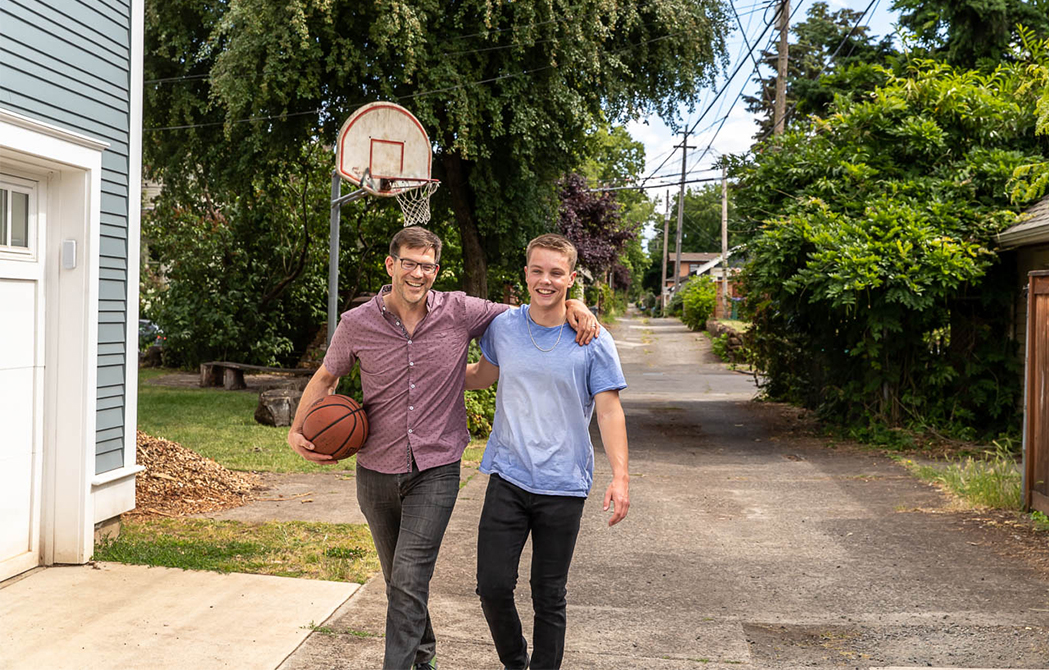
(709, 263)
(70, 141)
(1029, 241)
(690, 262)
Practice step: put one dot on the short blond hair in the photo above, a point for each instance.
(554, 242)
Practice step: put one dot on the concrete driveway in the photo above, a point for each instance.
(749, 543)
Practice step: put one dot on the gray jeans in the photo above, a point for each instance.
(408, 514)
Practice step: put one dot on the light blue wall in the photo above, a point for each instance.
(67, 63)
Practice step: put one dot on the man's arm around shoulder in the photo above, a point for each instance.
(612, 423)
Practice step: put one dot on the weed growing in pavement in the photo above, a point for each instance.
(363, 633)
(992, 480)
(323, 630)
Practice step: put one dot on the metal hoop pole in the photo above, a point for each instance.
(333, 254)
(337, 201)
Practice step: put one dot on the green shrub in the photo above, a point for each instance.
(480, 404)
(719, 345)
(698, 296)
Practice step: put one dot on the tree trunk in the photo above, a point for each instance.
(475, 264)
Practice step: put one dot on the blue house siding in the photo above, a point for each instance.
(67, 63)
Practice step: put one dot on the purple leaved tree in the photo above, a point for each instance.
(593, 223)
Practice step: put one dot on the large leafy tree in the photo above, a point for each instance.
(506, 89)
(831, 53)
(971, 33)
(875, 288)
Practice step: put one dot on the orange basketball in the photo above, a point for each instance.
(337, 426)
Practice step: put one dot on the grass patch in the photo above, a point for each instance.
(474, 452)
(736, 325)
(333, 552)
(991, 479)
(221, 425)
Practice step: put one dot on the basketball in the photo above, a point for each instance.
(337, 426)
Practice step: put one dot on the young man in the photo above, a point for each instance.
(539, 455)
(412, 345)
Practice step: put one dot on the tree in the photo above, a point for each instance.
(593, 223)
(876, 293)
(971, 33)
(505, 90)
(832, 54)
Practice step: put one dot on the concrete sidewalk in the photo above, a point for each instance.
(108, 615)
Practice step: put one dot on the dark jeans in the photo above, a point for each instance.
(408, 514)
(510, 513)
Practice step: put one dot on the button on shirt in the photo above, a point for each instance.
(413, 386)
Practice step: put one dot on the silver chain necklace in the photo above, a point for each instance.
(528, 323)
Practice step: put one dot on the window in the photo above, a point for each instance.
(17, 215)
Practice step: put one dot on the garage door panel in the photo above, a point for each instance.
(18, 336)
(16, 461)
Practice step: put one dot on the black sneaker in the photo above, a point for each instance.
(428, 665)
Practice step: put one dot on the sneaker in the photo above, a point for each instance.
(428, 665)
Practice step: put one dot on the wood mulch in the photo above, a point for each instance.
(179, 482)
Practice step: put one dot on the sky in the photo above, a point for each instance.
(736, 135)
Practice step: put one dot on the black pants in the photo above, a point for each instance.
(510, 513)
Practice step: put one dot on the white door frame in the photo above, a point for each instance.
(72, 166)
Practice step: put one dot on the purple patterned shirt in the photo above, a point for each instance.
(413, 386)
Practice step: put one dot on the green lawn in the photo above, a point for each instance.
(221, 425)
(334, 552)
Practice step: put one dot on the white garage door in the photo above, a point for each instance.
(21, 373)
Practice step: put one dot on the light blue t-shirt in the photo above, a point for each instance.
(540, 437)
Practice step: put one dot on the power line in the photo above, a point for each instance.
(411, 95)
(643, 186)
(794, 107)
(716, 96)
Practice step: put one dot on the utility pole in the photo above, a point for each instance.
(666, 256)
(680, 207)
(781, 78)
(725, 313)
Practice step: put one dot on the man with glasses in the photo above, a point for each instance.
(412, 346)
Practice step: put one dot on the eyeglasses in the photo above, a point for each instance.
(409, 265)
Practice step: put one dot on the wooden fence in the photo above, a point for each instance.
(1036, 428)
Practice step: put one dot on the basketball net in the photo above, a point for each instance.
(415, 203)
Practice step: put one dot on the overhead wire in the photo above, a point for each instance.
(418, 94)
(793, 108)
(717, 95)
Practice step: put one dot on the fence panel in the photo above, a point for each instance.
(1036, 429)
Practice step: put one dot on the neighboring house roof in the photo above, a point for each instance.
(1033, 230)
(716, 260)
(694, 257)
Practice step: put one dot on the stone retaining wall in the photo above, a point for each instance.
(734, 342)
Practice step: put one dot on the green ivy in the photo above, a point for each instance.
(875, 291)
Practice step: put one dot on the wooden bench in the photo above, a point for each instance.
(230, 376)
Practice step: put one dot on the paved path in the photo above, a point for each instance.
(749, 544)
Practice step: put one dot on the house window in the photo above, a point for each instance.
(17, 220)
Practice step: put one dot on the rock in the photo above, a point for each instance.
(277, 406)
(152, 358)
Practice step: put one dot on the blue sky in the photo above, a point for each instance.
(739, 128)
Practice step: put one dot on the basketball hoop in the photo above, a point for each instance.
(413, 195)
(384, 150)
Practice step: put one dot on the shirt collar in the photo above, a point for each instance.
(433, 298)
